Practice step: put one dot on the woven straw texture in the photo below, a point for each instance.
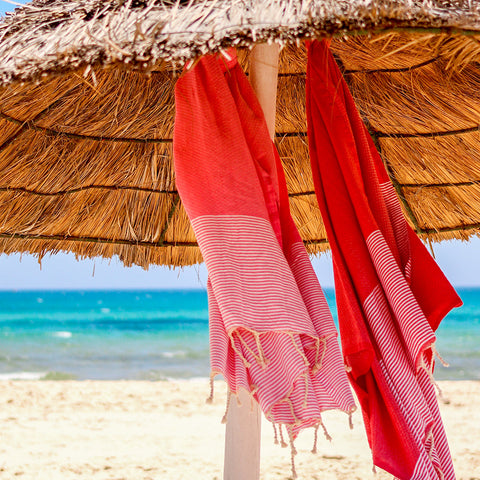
(86, 115)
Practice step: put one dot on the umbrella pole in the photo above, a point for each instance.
(263, 78)
(242, 436)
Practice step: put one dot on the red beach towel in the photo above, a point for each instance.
(391, 295)
(271, 331)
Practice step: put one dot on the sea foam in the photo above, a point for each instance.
(22, 376)
(62, 334)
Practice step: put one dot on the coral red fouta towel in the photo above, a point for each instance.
(271, 331)
(391, 295)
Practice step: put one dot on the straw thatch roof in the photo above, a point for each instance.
(86, 114)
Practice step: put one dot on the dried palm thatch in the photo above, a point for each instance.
(86, 114)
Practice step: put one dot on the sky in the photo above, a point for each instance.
(460, 261)
(8, 6)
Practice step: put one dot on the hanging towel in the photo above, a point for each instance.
(391, 295)
(271, 331)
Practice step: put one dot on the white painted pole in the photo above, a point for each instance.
(242, 436)
(242, 439)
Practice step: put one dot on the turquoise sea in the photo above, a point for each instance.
(156, 335)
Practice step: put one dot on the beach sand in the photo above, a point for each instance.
(129, 430)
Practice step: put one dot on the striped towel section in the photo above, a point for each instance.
(391, 295)
(271, 331)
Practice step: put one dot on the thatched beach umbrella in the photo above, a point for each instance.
(86, 114)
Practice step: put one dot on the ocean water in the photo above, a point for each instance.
(156, 335)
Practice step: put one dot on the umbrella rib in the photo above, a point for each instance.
(442, 133)
(300, 194)
(372, 70)
(12, 138)
(32, 126)
(110, 241)
(394, 70)
(87, 187)
(70, 238)
(379, 134)
(174, 192)
(171, 213)
(143, 243)
(290, 134)
(469, 183)
(468, 226)
(319, 241)
(24, 125)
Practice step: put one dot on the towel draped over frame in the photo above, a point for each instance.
(391, 295)
(271, 331)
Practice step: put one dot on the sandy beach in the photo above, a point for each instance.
(132, 430)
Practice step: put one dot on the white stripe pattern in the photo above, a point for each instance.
(271, 331)
(413, 392)
(410, 319)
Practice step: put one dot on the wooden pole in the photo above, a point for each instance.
(242, 436)
(263, 78)
(242, 439)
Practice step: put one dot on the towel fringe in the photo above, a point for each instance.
(325, 431)
(237, 398)
(237, 351)
(429, 436)
(319, 361)
(241, 344)
(253, 391)
(438, 470)
(294, 342)
(263, 362)
(275, 440)
(315, 439)
(429, 371)
(227, 407)
(282, 440)
(292, 410)
(436, 354)
(209, 400)
(293, 452)
(257, 358)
